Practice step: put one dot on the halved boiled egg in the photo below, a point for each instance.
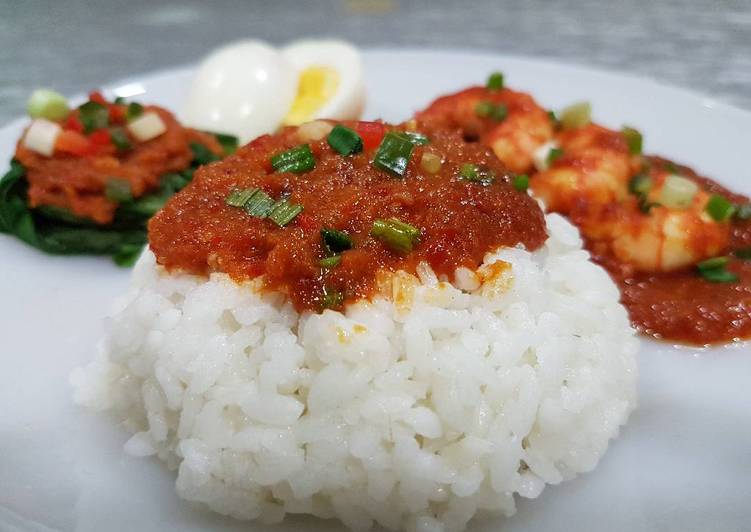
(250, 88)
(245, 89)
(330, 81)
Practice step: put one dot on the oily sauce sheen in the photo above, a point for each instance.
(682, 306)
(460, 221)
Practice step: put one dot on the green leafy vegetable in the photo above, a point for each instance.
(118, 190)
(58, 231)
(202, 155)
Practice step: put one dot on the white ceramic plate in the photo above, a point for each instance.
(683, 463)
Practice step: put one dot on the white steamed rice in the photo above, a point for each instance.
(415, 411)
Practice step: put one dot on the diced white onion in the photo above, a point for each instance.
(678, 192)
(576, 115)
(314, 131)
(147, 126)
(41, 136)
(540, 156)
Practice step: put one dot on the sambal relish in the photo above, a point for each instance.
(319, 210)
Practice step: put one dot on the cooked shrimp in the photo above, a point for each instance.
(511, 123)
(590, 183)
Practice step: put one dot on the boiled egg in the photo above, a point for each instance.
(250, 88)
(329, 81)
(244, 89)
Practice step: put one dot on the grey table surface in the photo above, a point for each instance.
(74, 45)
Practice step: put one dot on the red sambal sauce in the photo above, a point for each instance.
(681, 305)
(75, 176)
(459, 220)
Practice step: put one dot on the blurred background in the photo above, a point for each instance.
(76, 45)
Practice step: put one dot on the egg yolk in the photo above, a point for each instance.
(316, 86)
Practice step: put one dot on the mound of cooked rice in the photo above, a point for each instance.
(416, 410)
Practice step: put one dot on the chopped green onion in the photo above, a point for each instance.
(330, 262)
(297, 160)
(553, 155)
(678, 192)
(671, 167)
(238, 198)
(120, 139)
(397, 235)
(332, 298)
(118, 190)
(553, 118)
(335, 241)
(259, 204)
(133, 111)
(719, 276)
(491, 110)
(521, 182)
(344, 140)
(472, 172)
(495, 81)
(576, 115)
(743, 211)
(719, 208)
(394, 153)
(645, 205)
(201, 154)
(93, 116)
(119, 100)
(634, 140)
(430, 162)
(418, 139)
(714, 270)
(483, 109)
(640, 184)
(743, 253)
(284, 212)
(44, 103)
(228, 143)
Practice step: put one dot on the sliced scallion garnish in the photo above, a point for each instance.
(553, 155)
(640, 184)
(45, 103)
(297, 160)
(743, 253)
(259, 204)
(719, 208)
(494, 111)
(284, 212)
(634, 139)
(332, 298)
(93, 116)
(344, 140)
(238, 198)
(521, 182)
(394, 153)
(335, 241)
(495, 81)
(120, 139)
(117, 189)
(678, 192)
(576, 115)
(418, 139)
(476, 174)
(330, 262)
(133, 111)
(743, 211)
(397, 235)
(714, 270)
